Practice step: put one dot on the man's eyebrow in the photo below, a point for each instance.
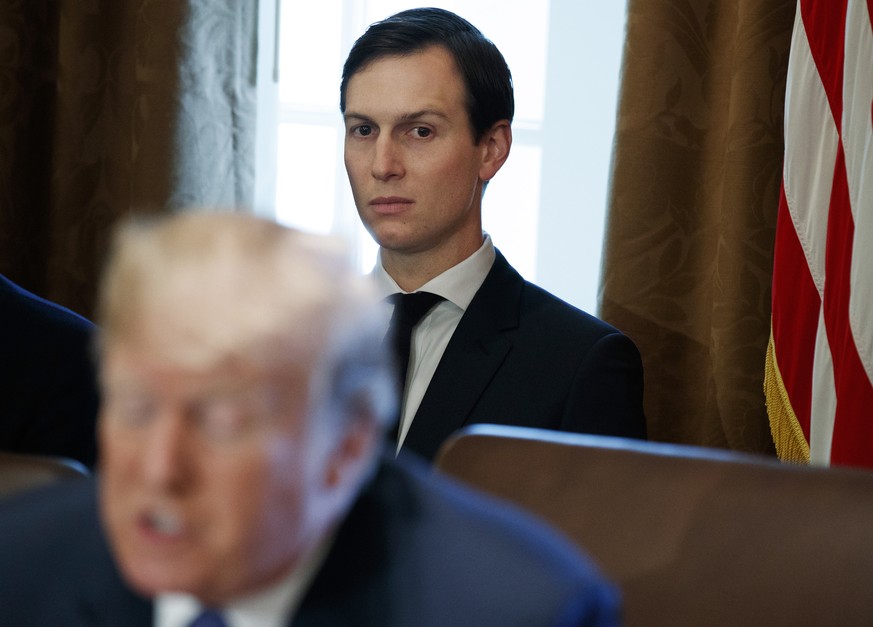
(403, 117)
(351, 115)
(415, 115)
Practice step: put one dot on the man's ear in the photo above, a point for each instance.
(496, 141)
(354, 452)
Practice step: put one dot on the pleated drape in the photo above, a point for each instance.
(109, 107)
(694, 190)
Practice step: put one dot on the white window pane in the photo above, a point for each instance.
(510, 208)
(305, 187)
(310, 52)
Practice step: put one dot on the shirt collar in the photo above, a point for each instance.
(457, 285)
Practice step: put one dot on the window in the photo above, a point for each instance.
(544, 209)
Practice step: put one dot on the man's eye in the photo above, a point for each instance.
(422, 132)
(223, 419)
(364, 130)
(131, 410)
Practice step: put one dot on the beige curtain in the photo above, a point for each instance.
(116, 106)
(696, 173)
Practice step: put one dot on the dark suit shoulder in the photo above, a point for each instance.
(47, 528)
(20, 306)
(55, 564)
(504, 288)
(549, 364)
(46, 364)
(421, 550)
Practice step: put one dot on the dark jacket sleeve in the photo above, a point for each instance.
(606, 397)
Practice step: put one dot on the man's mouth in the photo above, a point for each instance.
(162, 522)
(387, 205)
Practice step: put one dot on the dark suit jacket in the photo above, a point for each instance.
(49, 400)
(521, 356)
(414, 551)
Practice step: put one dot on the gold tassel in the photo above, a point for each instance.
(791, 444)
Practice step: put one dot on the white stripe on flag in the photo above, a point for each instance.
(857, 145)
(824, 399)
(810, 150)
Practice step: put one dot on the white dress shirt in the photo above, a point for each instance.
(458, 285)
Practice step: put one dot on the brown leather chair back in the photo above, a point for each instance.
(19, 472)
(692, 536)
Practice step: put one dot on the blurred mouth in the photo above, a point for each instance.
(390, 205)
(161, 525)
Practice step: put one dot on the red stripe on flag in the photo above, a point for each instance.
(796, 304)
(824, 22)
(852, 442)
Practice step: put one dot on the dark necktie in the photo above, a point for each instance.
(208, 618)
(409, 309)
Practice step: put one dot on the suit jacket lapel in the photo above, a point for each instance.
(475, 352)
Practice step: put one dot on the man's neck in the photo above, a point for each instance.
(412, 270)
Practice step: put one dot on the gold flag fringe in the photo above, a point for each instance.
(791, 444)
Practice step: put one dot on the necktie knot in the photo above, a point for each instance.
(409, 309)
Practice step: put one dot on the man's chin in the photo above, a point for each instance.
(149, 579)
(390, 234)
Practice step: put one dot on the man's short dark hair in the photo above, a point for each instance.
(486, 76)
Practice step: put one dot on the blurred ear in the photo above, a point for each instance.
(354, 453)
(496, 141)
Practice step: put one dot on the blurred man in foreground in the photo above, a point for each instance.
(245, 396)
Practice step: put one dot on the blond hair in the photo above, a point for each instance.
(204, 287)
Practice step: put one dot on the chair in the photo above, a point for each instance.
(692, 536)
(19, 472)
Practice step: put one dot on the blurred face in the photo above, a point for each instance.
(415, 171)
(209, 484)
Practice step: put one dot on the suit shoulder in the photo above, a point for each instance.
(539, 299)
(25, 310)
(450, 503)
(47, 520)
(467, 539)
(43, 531)
(550, 321)
(528, 304)
(55, 563)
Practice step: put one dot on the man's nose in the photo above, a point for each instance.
(167, 451)
(387, 159)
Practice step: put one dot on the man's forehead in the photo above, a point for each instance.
(396, 69)
(405, 89)
(158, 350)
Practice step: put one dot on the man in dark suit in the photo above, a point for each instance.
(427, 103)
(49, 400)
(245, 393)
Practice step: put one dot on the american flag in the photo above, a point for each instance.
(820, 359)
